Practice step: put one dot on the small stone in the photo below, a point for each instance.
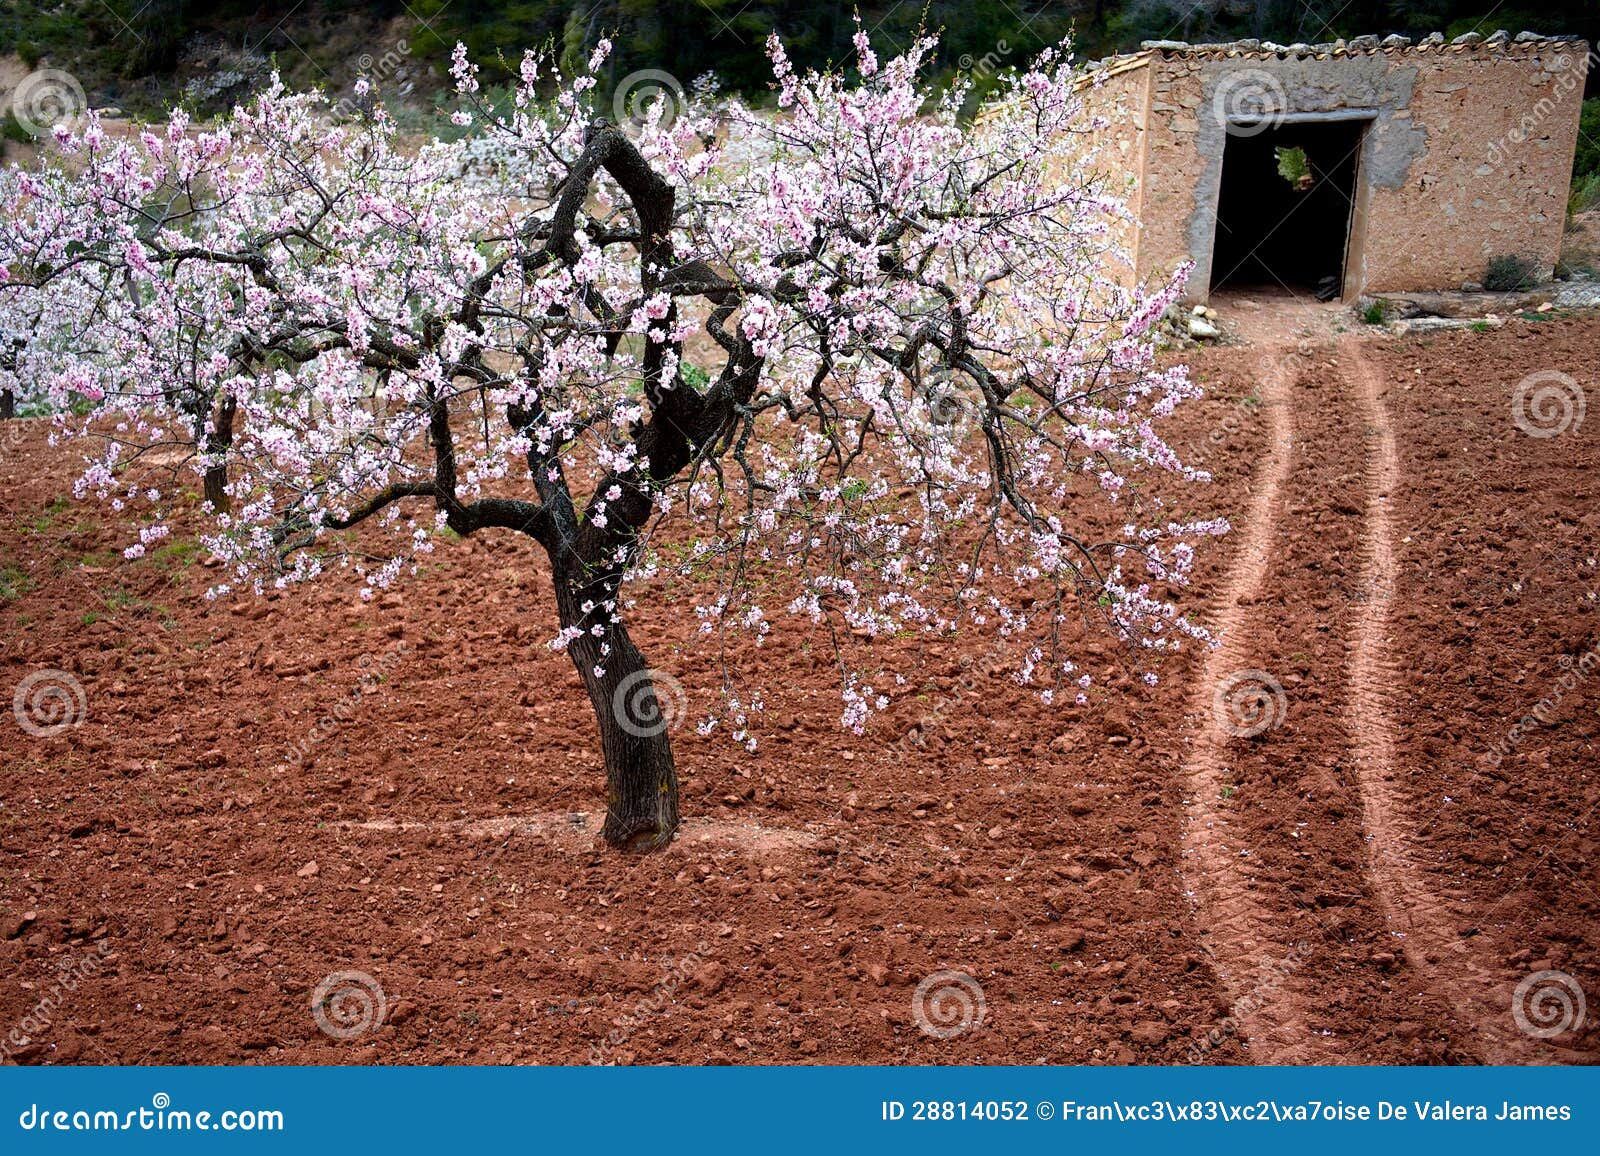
(309, 870)
(1199, 327)
(710, 978)
(1149, 1033)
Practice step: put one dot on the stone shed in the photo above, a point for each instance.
(1360, 166)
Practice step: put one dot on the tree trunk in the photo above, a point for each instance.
(221, 439)
(641, 777)
(8, 405)
(216, 479)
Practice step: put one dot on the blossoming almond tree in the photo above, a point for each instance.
(858, 343)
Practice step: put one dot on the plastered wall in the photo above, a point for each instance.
(1467, 153)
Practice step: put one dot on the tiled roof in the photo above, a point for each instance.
(1355, 46)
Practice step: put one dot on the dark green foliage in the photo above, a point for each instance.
(1293, 166)
(1509, 274)
(1587, 162)
(110, 43)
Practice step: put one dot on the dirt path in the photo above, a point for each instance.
(1243, 932)
(1442, 959)
(1239, 933)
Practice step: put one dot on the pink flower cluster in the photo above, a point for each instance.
(887, 334)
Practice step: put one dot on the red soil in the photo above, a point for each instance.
(1390, 883)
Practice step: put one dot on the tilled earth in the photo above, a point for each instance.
(184, 869)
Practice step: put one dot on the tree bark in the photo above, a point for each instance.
(641, 775)
(216, 480)
(8, 405)
(221, 439)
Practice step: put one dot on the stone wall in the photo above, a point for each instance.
(1116, 110)
(1467, 153)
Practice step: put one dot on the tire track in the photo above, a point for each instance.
(1238, 933)
(1444, 962)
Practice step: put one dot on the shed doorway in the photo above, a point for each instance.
(1286, 204)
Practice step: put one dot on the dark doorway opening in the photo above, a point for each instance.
(1285, 206)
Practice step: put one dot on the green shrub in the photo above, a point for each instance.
(1585, 193)
(1293, 166)
(1587, 161)
(12, 130)
(1509, 274)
